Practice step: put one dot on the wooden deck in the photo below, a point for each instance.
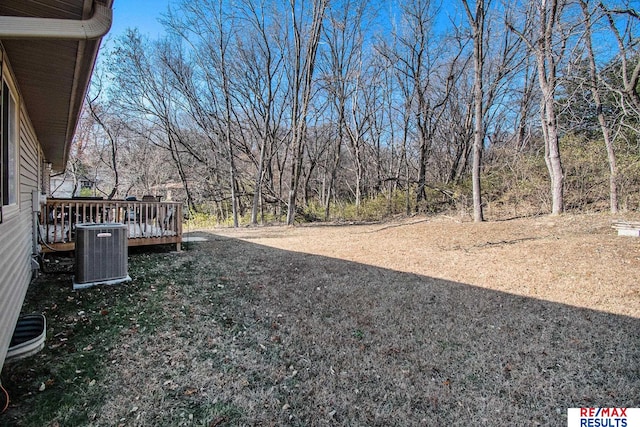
(149, 223)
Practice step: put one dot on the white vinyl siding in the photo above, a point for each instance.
(16, 233)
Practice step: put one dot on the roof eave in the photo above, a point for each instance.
(53, 73)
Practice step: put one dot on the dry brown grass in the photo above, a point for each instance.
(416, 322)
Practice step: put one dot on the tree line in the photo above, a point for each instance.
(284, 109)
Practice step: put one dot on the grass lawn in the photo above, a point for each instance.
(240, 331)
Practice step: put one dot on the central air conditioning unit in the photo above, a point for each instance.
(101, 255)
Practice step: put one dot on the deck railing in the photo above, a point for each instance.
(149, 223)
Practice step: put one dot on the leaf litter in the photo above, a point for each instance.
(435, 322)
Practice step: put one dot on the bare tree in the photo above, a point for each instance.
(207, 26)
(303, 62)
(548, 45)
(427, 71)
(112, 130)
(478, 29)
(629, 60)
(143, 89)
(595, 93)
(343, 35)
(419, 63)
(258, 83)
(222, 45)
(526, 101)
(502, 63)
(253, 102)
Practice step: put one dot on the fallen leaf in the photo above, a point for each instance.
(276, 339)
(218, 421)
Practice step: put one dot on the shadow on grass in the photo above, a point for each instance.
(234, 333)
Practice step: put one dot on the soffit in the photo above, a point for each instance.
(52, 75)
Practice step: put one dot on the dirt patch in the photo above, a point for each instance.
(415, 322)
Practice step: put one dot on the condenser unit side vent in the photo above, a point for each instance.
(101, 255)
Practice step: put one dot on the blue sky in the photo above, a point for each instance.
(141, 14)
(144, 15)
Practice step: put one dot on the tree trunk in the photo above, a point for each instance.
(547, 59)
(332, 174)
(606, 134)
(477, 24)
(258, 185)
(302, 79)
(552, 155)
(547, 78)
(421, 193)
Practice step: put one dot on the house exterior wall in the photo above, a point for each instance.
(16, 233)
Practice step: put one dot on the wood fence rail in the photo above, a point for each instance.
(149, 223)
